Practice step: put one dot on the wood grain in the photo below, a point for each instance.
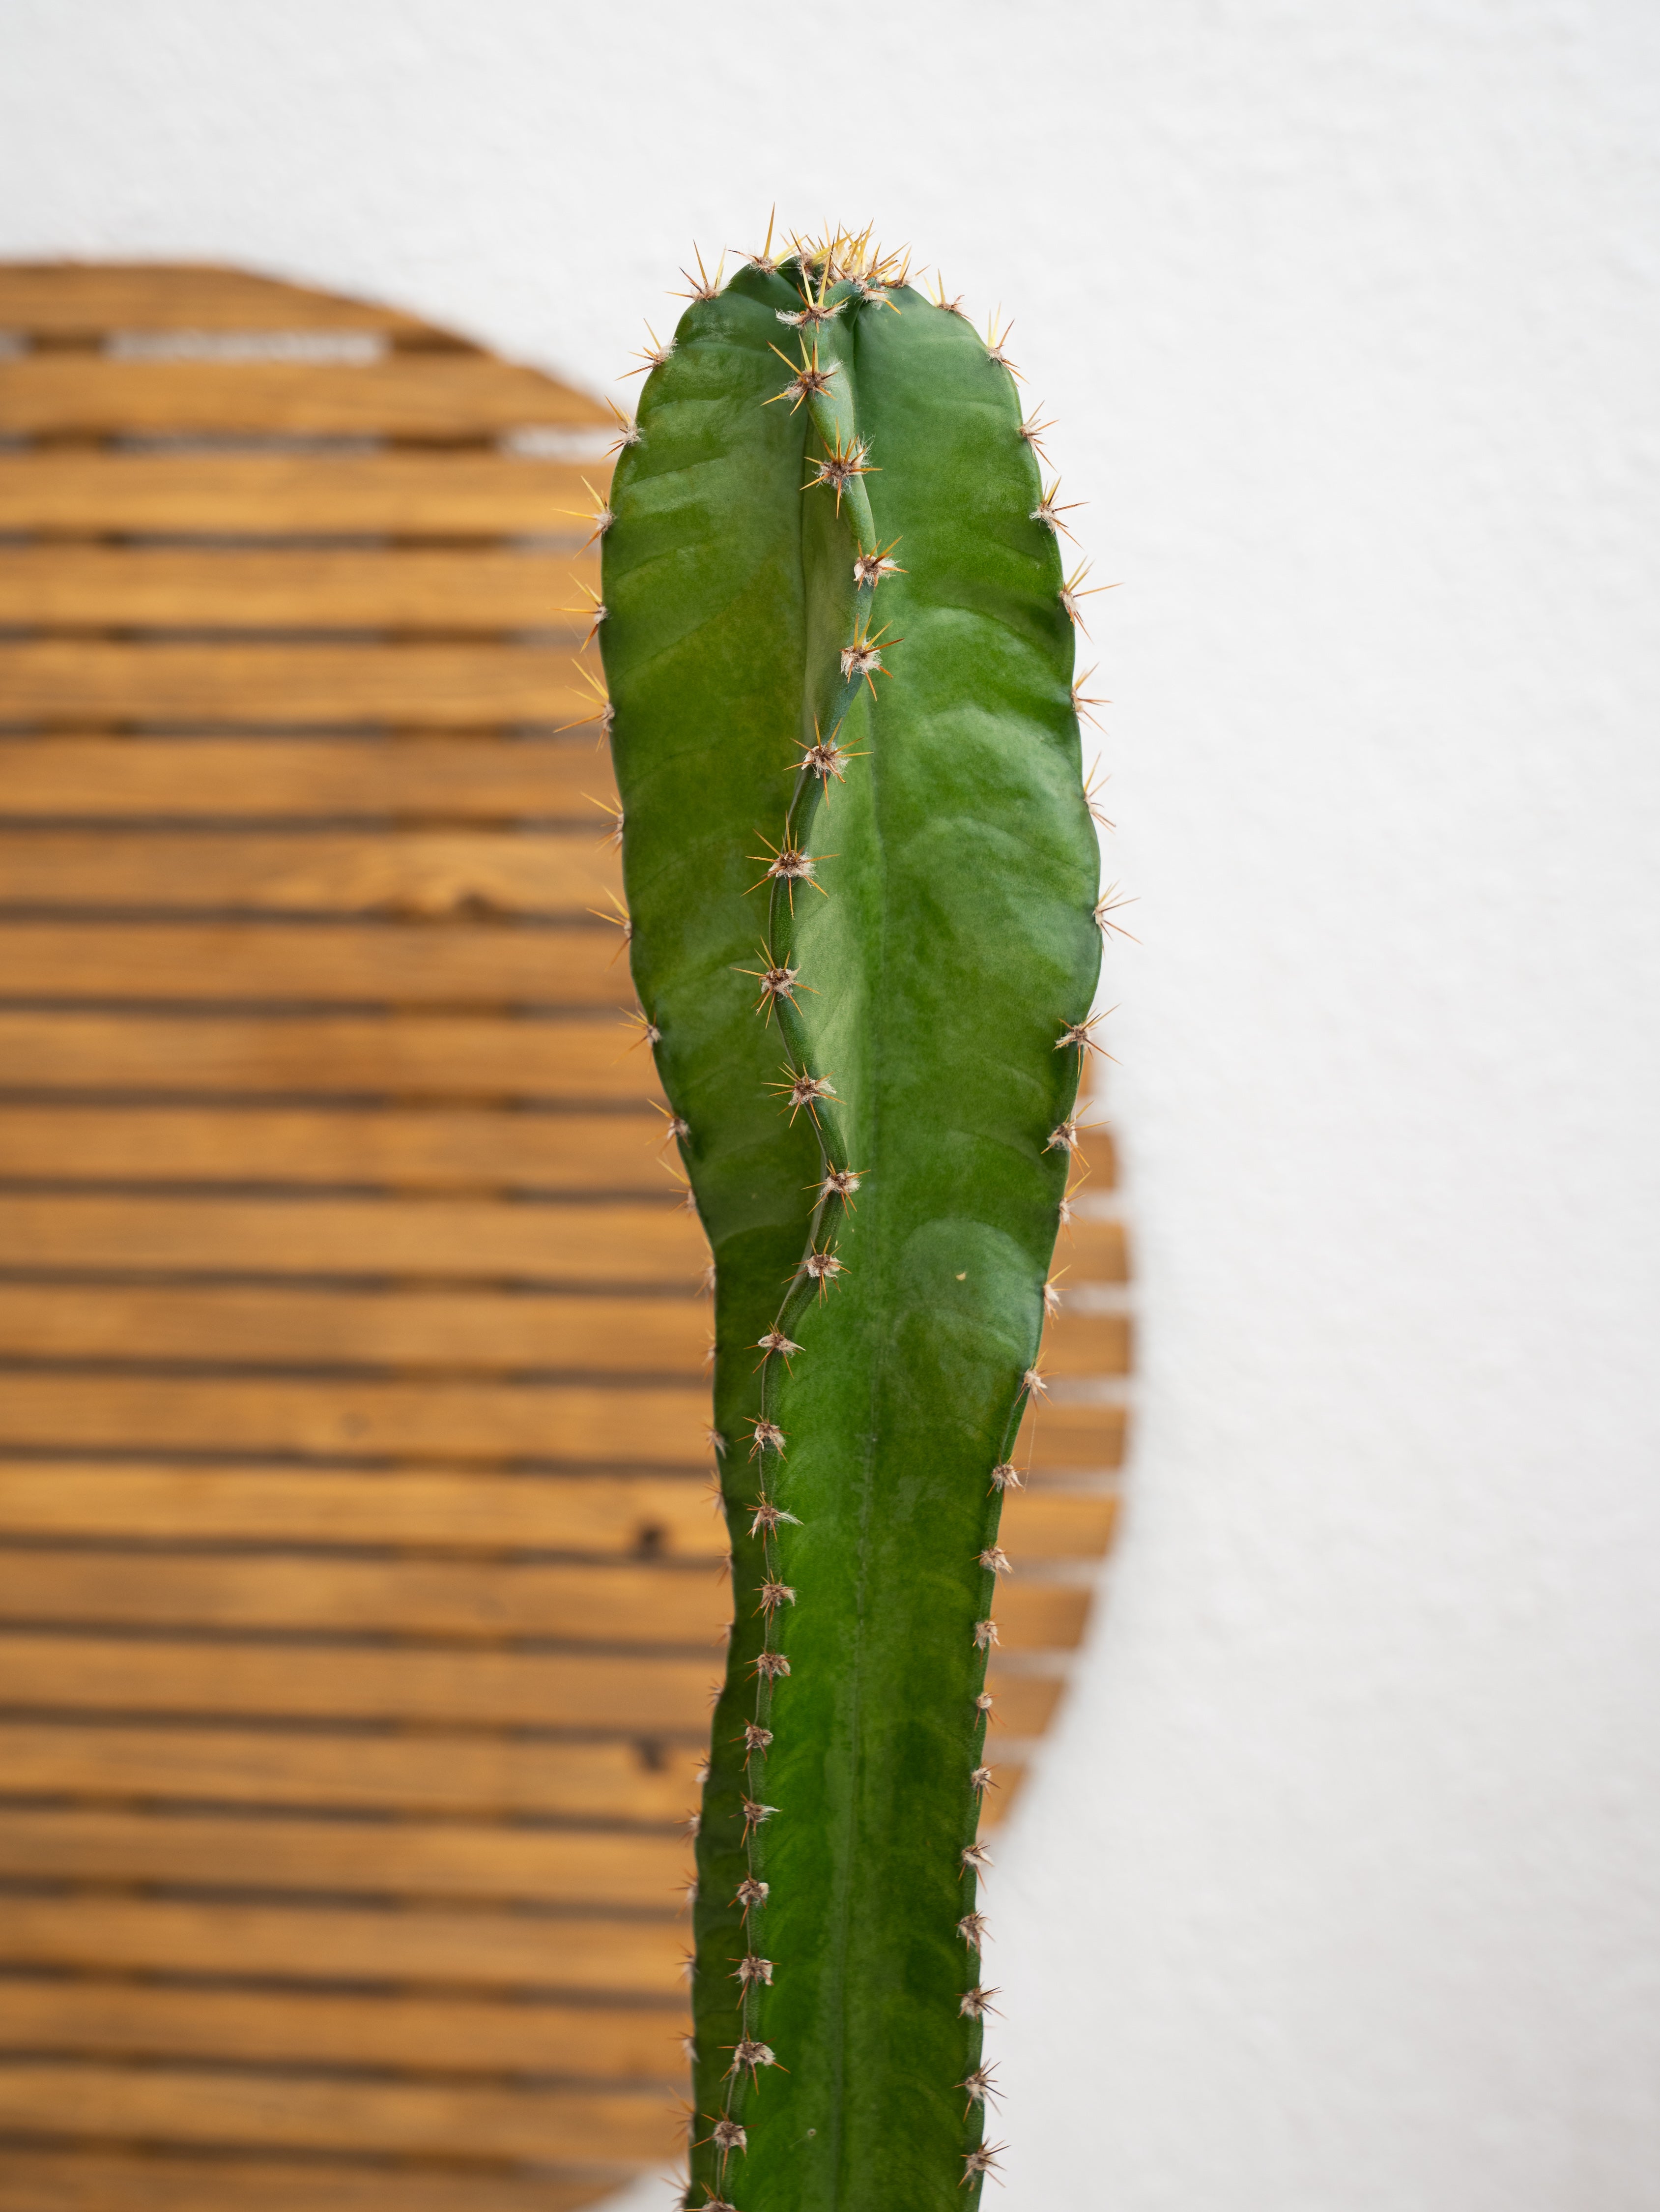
(652, 1516)
(439, 686)
(418, 873)
(262, 495)
(478, 588)
(656, 1246)
(428, 1771)
(617, 1693)
(453, 2035)
(434, 2118)
(85, 298)
(583, 1059)
(452, 779)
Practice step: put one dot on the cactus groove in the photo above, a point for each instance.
(861, 877)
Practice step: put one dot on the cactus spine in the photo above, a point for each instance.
(861, 876)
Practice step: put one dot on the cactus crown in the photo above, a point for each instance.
(862, 883)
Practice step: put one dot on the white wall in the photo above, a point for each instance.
(1338, 1890)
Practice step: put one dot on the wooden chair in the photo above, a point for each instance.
(358, 1577)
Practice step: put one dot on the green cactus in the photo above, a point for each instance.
(860, 872)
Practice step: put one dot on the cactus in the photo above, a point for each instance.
(861, 877)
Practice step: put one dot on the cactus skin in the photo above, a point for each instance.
(944, 947)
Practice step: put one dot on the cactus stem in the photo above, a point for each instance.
(864, 656)
(870, 568)
(807, 377)
(1049, 513)
(651, 356)
(702, 286)
(767, 1436)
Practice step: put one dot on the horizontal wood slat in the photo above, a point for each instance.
(483, 1332)
(401, 395)
(433, 2118)
(87, 298)
(667, 1515)
(432, 1148)
(438, 685)
(453, 1860)
(459, 2035)
(584, 1059)
(97, 587)
(268, 494)
(420, 873)
(220, 1679)
(659, 1246)
(458, 964)
(82, 2181)
(459, 779)
(569, 1422)
(641, 1606)
(351, 1771)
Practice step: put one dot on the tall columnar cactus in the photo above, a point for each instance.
(860, 877)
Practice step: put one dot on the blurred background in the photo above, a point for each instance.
(1337, 1882)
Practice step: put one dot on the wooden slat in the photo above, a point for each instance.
(70, 299)
(621, 1694)
(414, 872)
(638, 1605)
(584, 1059)
(433, 2118)
(660, 1516)
(435, 685)
(350, 1772)
(94, 587)
(570, 1423)
(481, 1331)
(455, 965)
(460, 2035)
(81, 2180)
(451, 1859)
(476, 779)
(267, 494)
(479, 1948)
(1072, 1436)
(433, 1148)
(660, 1246)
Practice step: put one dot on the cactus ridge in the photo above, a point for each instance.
(834, 598)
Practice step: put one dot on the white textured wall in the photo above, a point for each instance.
(1338, 1891)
